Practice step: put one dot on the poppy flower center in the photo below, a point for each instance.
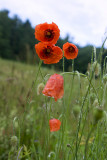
(71, 49)
(47, 51)
(49, 34)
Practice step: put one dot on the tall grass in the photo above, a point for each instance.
(24, 116)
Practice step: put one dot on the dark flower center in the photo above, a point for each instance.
(47, 51)
(71, 49)
(49, 34)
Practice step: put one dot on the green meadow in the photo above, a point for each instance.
(25, 114)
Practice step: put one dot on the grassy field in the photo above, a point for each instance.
(25, 115)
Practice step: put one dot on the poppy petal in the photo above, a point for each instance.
(70, 50)
(54, 124)
(54, 87)
(48, 53)
(47, 33)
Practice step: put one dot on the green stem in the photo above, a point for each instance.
(72, 65)
(83, 75)
(80, 118)
(63, 63)
(104, 66)
(83, 124)
(34, 84)
(86, 144)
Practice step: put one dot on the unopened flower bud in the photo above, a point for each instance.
(105, 78)
(76, 110)
(40, 88)
(14, 140)
(95, 103)
(98, 114)
(68, 145)
(97, 68)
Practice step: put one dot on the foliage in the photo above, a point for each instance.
(24, 116)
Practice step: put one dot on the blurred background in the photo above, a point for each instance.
(81, 22)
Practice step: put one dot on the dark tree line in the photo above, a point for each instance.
(17, 42)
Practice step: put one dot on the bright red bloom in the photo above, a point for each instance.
(70, 50)
(54, 125)
(48, 33)
(54, 87)
(48, 53)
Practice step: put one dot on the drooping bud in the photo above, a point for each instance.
(76, 110)
(98, 114)
(95, 103)
(40, 88)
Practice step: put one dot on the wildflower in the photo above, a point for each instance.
(54, 124)
(48, 53)
(40, 88)
(54, 87)
(47, 33)
(70, 50)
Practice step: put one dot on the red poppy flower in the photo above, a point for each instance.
(70, 50)
(48, 33)
(54, 125)
(54, 87)
(48, 53)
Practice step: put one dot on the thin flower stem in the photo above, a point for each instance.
(104, 66)
(63, 112)
(63, 63)
(86, 144)
(72, 65)
(19, 153)
(85, 76)
(83, 124)
(104, 93)
(101, 51)
(100, 60)
(80, 118)
(34, 84)
(71, 90)
(28, 94)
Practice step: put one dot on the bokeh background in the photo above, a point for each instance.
(81, 22)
